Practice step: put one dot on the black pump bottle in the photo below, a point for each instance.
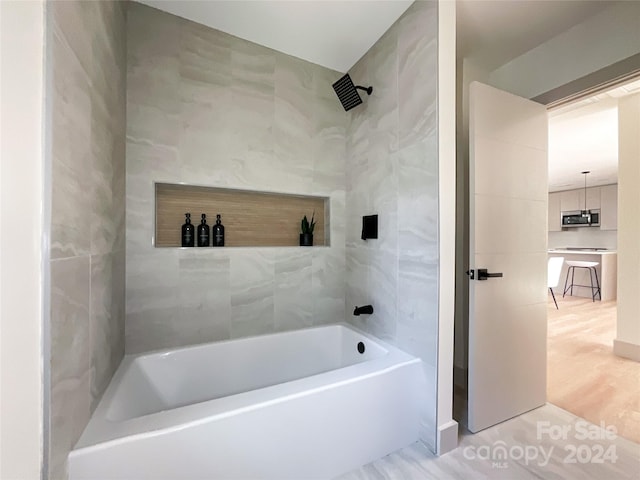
(188, 232)
(203, 232)
(218, 233)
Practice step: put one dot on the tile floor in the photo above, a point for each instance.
(545, 443)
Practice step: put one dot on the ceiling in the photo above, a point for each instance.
(337, 33)
(584, 139)
(584, 136)
(495, 32)
(334, 34)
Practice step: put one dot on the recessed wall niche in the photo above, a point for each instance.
(251, 218)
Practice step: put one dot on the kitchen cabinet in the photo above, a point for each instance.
(593, 198)
(574, 199)
(570, 200)
(609, 207)
(555, 222)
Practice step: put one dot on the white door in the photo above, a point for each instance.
(508, 236)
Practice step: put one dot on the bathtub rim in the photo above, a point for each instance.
(100, 432)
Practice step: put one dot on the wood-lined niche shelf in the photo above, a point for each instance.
(250, 218)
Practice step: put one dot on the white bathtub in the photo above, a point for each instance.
(299, 404)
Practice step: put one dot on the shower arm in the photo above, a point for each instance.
(369, 90)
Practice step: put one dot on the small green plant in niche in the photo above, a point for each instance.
(306, 231)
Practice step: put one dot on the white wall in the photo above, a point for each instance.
(598, 42)
(627, 342)
(447, 434)
(21, 206)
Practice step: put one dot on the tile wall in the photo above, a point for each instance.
(392, 171)
(207, 108)
(87, 78)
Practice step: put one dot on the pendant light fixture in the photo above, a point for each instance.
(585, 213)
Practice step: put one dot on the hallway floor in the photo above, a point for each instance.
(535, 448)
(584, 376)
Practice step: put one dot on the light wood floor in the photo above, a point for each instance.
(584, 376)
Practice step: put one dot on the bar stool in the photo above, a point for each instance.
(591, 267)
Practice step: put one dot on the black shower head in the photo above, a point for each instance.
(347, 93)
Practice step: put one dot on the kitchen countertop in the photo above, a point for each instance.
(582, 252)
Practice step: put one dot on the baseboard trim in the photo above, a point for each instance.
(626, 350)
(447, 437)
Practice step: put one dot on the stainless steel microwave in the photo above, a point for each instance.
(581, 218)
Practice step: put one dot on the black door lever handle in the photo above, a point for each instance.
(484, 274)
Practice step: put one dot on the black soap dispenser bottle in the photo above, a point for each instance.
(188, 232)
(203, 232)
(218, 233)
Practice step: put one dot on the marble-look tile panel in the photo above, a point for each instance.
(250, 121)
(384, 99)
(358, 204)
(328, 285)
(153, 76)
(70, 413)
(108, 55)
(358, 291)
(101, 321)
(205, 63)
(252, 292)
(71, 167)
(293, 121)
(70, 291)
(74, 22)
(418, 200)
(70, 357)
(205, 297)
(323, 80)
(119, 190)
(417, 72)
(358, 147)
(152, 300)
(146, 164)
(418, 308)
(118, 307)
(384, 194)
(293, 296)
(383, 292)
(151, 125)
(337, 223)
(152, 280)
(101, 220)
(360, 75)
(153, 43)
(205, 93)
(205, 144)
(151, 329)
(328, 147)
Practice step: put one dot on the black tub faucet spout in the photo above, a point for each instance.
(366, 310)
